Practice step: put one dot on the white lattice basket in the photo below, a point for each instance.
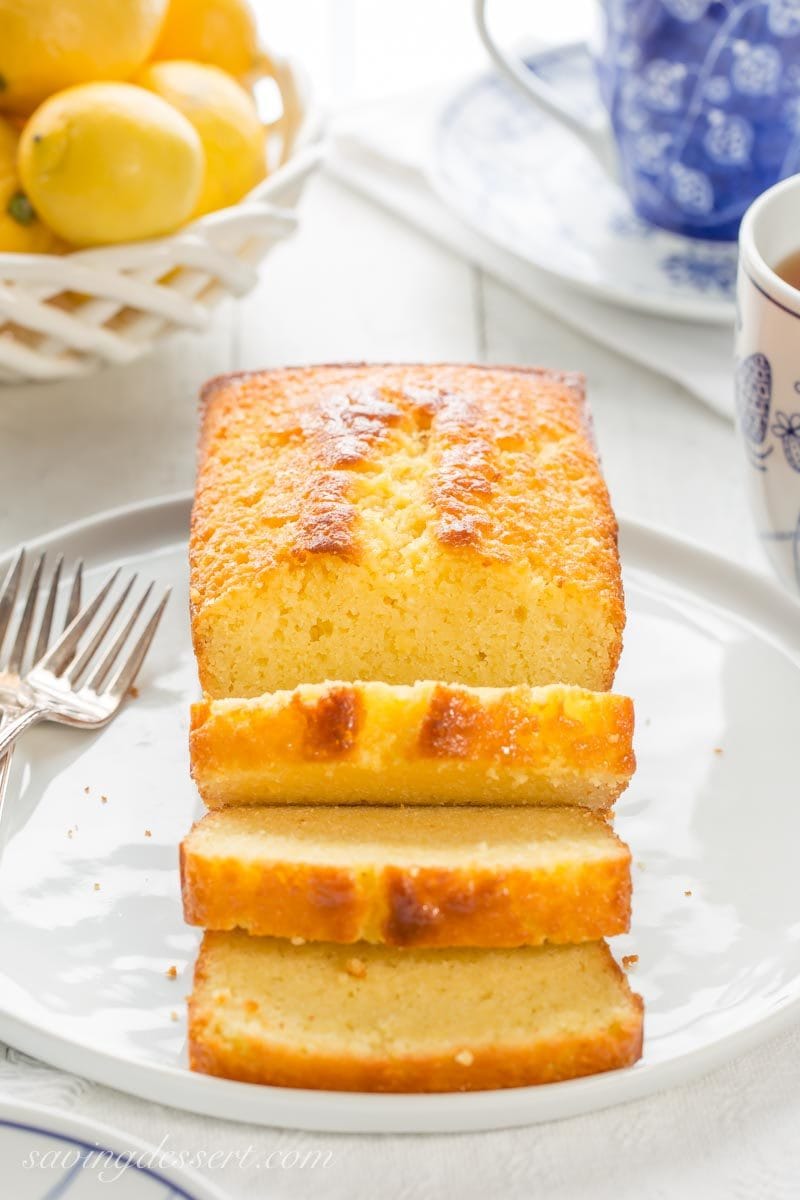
(68, 315)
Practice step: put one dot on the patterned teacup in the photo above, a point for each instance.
(703, 102)
(768, 374)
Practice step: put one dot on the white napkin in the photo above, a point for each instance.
(382, 151)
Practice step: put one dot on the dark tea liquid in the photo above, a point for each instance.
(789, 269)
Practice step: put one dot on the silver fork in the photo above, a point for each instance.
(56, 688)
(11, 668)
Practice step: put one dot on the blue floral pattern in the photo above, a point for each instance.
(753, 401)
(754, 396)
(702, 273)
(704, 97)
(767, 388)
(787, 429)
(523, 181)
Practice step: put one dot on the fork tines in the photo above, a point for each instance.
(65, 661)
(8, 596)
(8, 600)
(68, 659)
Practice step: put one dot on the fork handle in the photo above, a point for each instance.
(5, 770)
(15, 728)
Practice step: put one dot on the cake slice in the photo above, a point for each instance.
(378, 1019)
(408, 876)
(399, 523)
(373, 743)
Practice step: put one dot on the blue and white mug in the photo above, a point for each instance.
(768, 374)
(703, 104)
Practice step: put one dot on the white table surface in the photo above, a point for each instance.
(355, 283)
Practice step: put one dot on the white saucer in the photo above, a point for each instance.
(46, 1155)
(712, 659)
(520, 179)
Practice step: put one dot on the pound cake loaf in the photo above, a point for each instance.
(408, 876)
(374, 1018)
(400, 523)
(376, 743)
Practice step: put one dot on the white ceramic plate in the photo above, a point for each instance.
(525, 182)
(712, 658)
(48, 1156)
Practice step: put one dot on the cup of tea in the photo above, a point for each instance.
(702, 103)
(768, 371)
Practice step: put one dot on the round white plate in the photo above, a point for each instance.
(712, 658)
(523, 181)
(48, 1156)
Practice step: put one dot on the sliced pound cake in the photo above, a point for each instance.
(408, 876)
(373, 743)
(373, 1018)
(399, 523)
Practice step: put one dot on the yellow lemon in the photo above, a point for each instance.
(220, 32)
(110, 162)
(21, 230)
(225, 118)
(46, 45)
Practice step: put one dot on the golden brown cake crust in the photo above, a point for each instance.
(332, 725)
(252, 1055)
(340, 416)
(575, 895)
(430, 743)
(265, 1062)
(510, 479)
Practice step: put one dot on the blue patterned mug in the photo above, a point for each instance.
(703, 102)
(768, 374)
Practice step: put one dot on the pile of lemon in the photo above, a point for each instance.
(123, 119)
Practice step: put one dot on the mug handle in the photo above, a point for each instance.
(594, 135)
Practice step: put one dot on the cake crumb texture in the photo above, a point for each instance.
(416, 1020)
(432, 876)
(400, 523)
(376, 743)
